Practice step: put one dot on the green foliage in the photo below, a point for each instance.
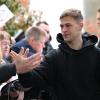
(11, 4)
(14, 6)
(22, 19)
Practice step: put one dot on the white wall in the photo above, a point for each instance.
(52, 10)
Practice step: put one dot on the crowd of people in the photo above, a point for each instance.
(70, 72)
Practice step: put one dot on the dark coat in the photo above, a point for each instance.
(23, 43)
(7, 70)
(48, 47)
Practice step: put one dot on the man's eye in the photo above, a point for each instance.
(61, 26)
(67, 25)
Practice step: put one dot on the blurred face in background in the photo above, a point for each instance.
(5, 47)
(5, 44)
(98, 18)
(46, 29)
(38, 45)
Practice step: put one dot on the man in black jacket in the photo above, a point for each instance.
(73, 70)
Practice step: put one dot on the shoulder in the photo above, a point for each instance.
(18, 46)
(21, 42)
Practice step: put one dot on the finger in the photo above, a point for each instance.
(26, 52)
(32, 60)
(35, 57)
(38, 57)
(21, 52)
(13, 54)
(36, 64)
(33, 65)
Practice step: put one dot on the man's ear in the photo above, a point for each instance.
(31, 40)
(81, 23)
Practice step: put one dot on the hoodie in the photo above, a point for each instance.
(73, 74)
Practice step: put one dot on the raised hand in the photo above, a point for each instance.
(23, 63)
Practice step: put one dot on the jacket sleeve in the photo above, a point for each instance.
(6, 71)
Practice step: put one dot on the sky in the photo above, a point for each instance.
(51, 11)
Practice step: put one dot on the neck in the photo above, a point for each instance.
(76, 44)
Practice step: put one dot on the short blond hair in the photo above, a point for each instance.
(75, 13)
(35, 31)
